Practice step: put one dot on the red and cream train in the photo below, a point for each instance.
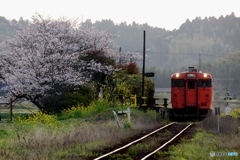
(191, 93)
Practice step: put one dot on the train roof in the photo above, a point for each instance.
(187, 73)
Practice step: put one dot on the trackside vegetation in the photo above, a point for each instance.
(76, 133)
(207, 140)
(81, 132)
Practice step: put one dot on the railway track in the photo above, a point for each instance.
(147, 146)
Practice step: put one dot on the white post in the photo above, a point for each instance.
(116, 118)
(128, 114)
(228, 111)
(100, 94)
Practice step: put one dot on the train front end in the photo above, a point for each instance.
(191, 93)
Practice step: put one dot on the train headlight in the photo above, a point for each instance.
(177, 75)
(205, 75)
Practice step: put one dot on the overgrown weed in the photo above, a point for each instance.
(208, 139)
(66, 136)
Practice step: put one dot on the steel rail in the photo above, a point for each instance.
(131, 143)
(150, 154)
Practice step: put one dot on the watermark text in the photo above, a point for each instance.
(221, 154)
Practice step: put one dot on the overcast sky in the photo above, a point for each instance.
(168, 14)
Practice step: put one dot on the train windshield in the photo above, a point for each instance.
(178, 83)
(204, 83)
(191, 84)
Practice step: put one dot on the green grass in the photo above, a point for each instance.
(200, 146)
(75, 133)
(208, 139)
(80, 132)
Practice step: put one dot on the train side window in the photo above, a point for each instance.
(178, 83)
(204, 83)
(191, 84)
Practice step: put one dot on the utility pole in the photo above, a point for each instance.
(230, 80)
(143, 67)
(11, 113)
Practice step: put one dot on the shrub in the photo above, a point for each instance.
(132, 68)
(81, 111)
(126, 125)
(38, 118)
(235, 113)
(74, 99)
(82, 96)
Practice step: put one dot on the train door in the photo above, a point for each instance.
(191, 93)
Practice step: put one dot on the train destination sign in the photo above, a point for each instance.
(191, 75)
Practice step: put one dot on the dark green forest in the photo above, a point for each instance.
(211, 44)
(211, 37)
(207, 44)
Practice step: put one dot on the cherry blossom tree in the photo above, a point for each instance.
(42, 61)
(128, 57)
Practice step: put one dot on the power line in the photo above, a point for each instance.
(179, 53)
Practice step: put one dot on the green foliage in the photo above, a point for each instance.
(152, 114)
(74, 98)
(98, 56)
(83, 95)
(126, 125)
(3, 133)
(115, 87)
(235, 113)
(81, 111)
(135, 84)
(225, 71)
(200, 146)
(214, 36)
(211, 35)
(124, 85)
(38, 118)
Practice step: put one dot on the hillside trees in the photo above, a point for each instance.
(225, 73)
(211, 35)
(42, 61)
(5, 27)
